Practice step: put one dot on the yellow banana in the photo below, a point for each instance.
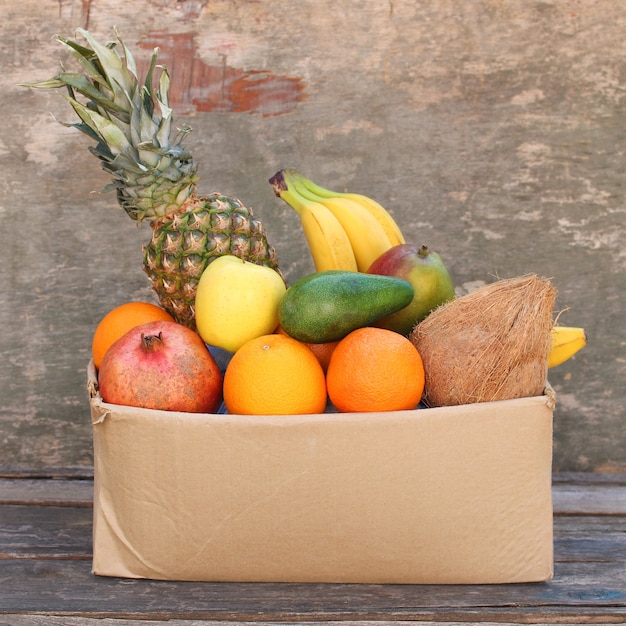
(367, 236)
(566, 342)
(378, 211)
(328, 242)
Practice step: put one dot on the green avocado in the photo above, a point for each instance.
(326, 306)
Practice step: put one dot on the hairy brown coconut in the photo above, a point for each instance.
(491, 344)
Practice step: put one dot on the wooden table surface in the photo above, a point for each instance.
(45, 572)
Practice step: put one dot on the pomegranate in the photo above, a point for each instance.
(161, 365)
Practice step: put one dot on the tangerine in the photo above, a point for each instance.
(322, 351)
(274, 375)
(375, 369)
(118, 321)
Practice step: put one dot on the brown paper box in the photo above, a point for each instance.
(446, 495)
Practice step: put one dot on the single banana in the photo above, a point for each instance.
(566, 342)
(367, 236)
(377, 210)
(328, 242)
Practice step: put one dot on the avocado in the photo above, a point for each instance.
(326, 306)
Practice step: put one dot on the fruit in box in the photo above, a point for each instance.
(326, 306)
(118, 321)
(491, 344)
(161, 365)
(274, 375)
(237, 301)
(431, 282)
(322, 351)
(155, 179)
(566, 341)
(344, 231)
(375, 369)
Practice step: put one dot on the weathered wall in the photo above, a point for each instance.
(492, 129)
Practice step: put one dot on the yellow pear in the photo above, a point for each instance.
(237, 301)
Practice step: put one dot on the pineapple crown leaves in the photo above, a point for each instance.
(152, 173)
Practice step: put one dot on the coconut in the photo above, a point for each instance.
(491, 344)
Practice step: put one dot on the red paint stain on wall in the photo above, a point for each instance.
(199, 87)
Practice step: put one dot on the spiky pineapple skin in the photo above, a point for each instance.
(183, 243)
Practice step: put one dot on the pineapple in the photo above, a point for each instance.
(154, 176)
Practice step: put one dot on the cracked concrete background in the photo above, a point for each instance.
(493, 130)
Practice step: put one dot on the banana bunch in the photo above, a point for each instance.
(345, 231)
(566, 342)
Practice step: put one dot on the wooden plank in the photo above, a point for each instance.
(68, 588)
(65, 532)
(590, 499)
(45, 532)
(588, 525)
(42, 536)
(588, 478)
(49, 472)
(589, 538)
(51, 620)
(51, 492)
(609, 547)
(48, 619)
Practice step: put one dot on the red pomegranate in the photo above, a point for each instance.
(161, 365)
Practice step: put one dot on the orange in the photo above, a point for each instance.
(374, 369)
(274, 375)
(322, 351)
(119, 321)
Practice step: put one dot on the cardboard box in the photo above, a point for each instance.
(445, 495)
